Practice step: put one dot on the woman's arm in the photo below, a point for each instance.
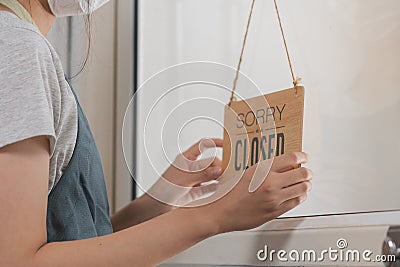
(146, 207)
(143, 245)
(23, 204)
(138, 211)
(23, 200)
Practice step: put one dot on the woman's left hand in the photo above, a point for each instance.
(182, 182)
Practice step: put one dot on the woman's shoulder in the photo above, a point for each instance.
(20, 42)
(29, 66)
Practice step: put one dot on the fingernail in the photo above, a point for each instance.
(217, 171)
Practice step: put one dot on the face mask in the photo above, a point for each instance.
(64, 8)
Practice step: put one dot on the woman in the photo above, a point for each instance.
(52, 195)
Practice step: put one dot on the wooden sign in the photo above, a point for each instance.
(262, 127)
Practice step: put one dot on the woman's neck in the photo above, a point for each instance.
(40, 12)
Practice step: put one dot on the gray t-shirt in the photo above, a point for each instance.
(35, 98)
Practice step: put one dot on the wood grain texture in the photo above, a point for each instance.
(251, 119)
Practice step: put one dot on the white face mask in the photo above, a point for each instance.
(64, 8)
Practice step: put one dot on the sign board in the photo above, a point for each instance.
(260, 128)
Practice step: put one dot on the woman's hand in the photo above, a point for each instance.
(182, 182)
(179, 185)
(285, 187)
(187, 171)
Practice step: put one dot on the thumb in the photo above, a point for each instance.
(209, 174)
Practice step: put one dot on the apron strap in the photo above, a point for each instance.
(18, 9)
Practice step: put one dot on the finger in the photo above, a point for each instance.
(200, 165)
(203, 170)
(290, 204)
(295, 176)
(205, 163)
(195, 150)
(260, 174)
(217, 162)
(296, 190)
(200, 191)
(289, 161)
(209, 174)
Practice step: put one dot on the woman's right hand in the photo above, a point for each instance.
(285, 187)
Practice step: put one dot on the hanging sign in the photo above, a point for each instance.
(260, 128)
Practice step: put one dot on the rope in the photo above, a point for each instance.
(296, 81)
(233, 98)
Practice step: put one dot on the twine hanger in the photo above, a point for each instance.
(296, 81)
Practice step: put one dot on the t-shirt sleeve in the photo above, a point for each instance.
(25, 100)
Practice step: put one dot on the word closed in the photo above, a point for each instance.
(261, 128)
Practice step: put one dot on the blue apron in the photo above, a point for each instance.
(78, 205)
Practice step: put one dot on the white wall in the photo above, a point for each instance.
(105, 85)
(347, 53)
